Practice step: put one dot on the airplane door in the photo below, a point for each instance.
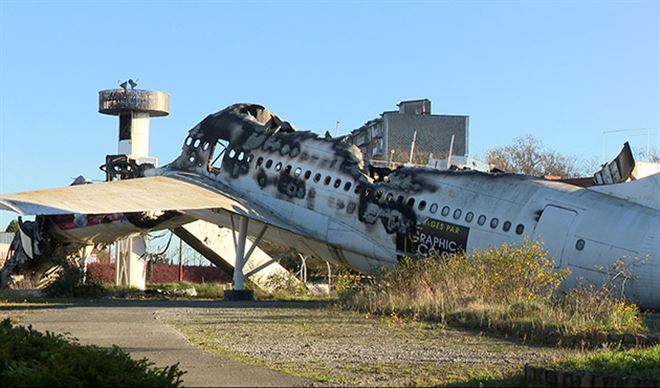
(553, 230)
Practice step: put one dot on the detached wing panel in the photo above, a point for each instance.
(126, 196)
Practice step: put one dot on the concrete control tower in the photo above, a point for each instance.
(134, 108)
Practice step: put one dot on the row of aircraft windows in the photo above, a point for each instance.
(433, 209)
(446, 210)
(298, 172)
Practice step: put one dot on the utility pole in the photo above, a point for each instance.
(412, 147)
(180, 260)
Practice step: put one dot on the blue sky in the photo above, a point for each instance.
(563, 71)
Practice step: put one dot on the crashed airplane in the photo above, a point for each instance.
(247, 169)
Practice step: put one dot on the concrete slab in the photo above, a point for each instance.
(133, 326)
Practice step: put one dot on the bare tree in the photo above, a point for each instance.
(527, 155)
(653, 156)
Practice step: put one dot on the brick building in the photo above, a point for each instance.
(389, 137)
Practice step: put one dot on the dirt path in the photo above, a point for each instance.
(350, 349)
(134, 326)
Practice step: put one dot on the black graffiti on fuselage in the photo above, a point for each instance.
(291, 186)
(396, 217)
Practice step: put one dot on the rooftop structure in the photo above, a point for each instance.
(388, 139)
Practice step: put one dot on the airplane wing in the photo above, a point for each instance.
(174, 191)
(125, 196)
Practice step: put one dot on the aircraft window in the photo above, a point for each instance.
(317, 177)
(520, 229)
(422, 205)
(241, 156)
(445, 211)
(249, 158)
(481, 220)
(389, 197)
(269, 163)
(434, 208)
(347, 186)
(579, 244)
(367, 191)
(308, 174)
(206, 145)
(260, 160)
(287, 170)
(411, 201)
(196, 143)
(188, 140)
(232, 153)
(337, 183)
(494, 222)
(327, 180)
(469, 216)
(378, 194)
(457, 214)
(357, 188)
(278, 166)
(191, 159)
(506, 226)
(297, 172)
(215, 163)
(399, 199)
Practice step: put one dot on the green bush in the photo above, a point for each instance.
(71, 284)
(30, 358)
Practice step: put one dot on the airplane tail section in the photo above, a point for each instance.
(645, 191)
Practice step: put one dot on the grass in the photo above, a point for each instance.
(511, 290)
(643, 363)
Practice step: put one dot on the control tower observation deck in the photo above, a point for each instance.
(134, 107)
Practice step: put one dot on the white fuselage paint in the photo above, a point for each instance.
(582, 229)
(610, 228)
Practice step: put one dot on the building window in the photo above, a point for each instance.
(377, 147)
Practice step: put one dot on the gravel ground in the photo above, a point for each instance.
(346, 348)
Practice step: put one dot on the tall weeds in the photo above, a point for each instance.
(506, 288)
